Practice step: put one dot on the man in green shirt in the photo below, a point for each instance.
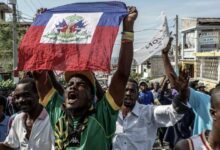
(76, 123)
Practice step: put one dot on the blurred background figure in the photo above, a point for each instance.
(201, 87)
(3, 119)
(145, 95)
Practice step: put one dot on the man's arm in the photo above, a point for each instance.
(43, 83)
(120, 78)
(179, 82)
(167, 65)
(55, 83)
(99, 91)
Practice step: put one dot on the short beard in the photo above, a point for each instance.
(131, 106)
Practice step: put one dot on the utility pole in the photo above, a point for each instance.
(14, 28)
(177, 47)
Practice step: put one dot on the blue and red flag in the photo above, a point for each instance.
(76, 36)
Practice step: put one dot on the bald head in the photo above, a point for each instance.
(215, 98)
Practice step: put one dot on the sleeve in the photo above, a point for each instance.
(52, 103)
(197, 100)
(194, 99)
(165, 116)
(12, 140)
(107, 113)
(201, 104)
(178, 105)
(48, 97)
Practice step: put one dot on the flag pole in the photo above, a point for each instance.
(177, 48)
(14, 29)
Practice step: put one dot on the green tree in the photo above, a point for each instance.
(136, 76)
(6, 37)
(6, 47)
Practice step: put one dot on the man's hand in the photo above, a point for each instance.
(39, 74)
(39, 11)
(43, 82)
(181, 82)
(128, 23)
(167, 49)
(165, 84)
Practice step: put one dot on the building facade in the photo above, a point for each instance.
(151, 68)
(201, 49)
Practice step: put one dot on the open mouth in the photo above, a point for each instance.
(72, 97)
(128, 101)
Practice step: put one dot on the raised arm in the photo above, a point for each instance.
(43, 83)
(167, 65)
(120, 78)
(55, 83)
(179, 82)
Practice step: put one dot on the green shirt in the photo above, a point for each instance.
(100, 127)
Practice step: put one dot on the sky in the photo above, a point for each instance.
(149, 13)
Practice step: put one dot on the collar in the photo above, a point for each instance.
(43, 114)
(136, 110)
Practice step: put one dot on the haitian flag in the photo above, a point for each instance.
(72, 37)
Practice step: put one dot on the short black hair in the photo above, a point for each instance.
(214, 93)
(135, 82)
(3, 102)
(30, 81)
(143, 83)
(87, 81)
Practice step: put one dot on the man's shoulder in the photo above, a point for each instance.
(18, 119)
(199, 96)
(182, 145)
(145, 93)
(143, 108)
(198, 93)
(108, 99)
(19, 116)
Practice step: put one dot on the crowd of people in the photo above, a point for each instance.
(41, 114)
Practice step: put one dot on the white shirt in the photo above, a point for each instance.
(41, 137)
(137, 131)
(155, 94)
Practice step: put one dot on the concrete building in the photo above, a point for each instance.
(200, 48)
(3, 10)
(151, 68)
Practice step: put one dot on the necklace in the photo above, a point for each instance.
(76, 128)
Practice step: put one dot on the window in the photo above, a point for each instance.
(210, 68)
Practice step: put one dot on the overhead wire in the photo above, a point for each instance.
(24, 13)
